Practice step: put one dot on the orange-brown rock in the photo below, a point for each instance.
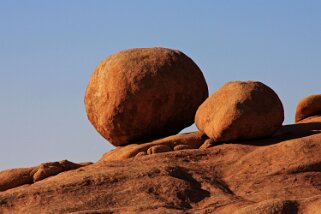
(240, 110)
(192, 140)
(17, 177)
(144, 93)
(280, 174)
(308, 106)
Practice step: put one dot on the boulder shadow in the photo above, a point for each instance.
(286, 132)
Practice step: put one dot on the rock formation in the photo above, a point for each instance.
(280, 174)
(240, 110)
(308, 106)
(144, 93)
(17, 177)
(242, 161)
(172, 143)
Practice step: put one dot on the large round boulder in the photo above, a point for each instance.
(240, 110)
(144, 93)
(308, 106)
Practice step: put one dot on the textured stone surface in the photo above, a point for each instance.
(192, 140)
(308, 106)
(240, 110)
(144, 93)
(17, 177)
(280, 174)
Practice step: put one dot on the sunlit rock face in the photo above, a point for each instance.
(240, 110)
(144, 93)
(308, 106)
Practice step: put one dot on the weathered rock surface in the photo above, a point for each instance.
(17, 177)
(172, 143)
(308, 106)
(280, 174)
(144, 93)
(240, 110)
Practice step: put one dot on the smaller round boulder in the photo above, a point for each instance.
(307, 107)
(240, 110)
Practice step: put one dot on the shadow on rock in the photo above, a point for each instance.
(287, 132)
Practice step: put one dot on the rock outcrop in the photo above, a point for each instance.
(280, 174)
(240, 110)
(172, 143)
(242, 161)
(17, 177)
(308, 106)
(142, 94)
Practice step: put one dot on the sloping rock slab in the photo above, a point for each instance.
(281, 174)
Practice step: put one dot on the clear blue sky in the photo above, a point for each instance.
(48, 50)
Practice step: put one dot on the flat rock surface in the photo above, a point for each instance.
(280, 174)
